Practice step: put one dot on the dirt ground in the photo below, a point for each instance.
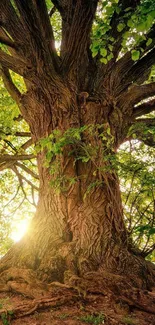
(65, 306)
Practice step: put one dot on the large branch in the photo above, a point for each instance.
(144, 108)
(6, 40)
(11, 21)
(77, 19)
(135, 94)
(46, 25)
(10, 86)
(12, 63)
(140, 70)
(126, 71)
(34, 18)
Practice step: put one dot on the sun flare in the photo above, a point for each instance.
(19, 230)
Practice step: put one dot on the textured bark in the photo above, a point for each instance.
(75, 229)
(72, 231)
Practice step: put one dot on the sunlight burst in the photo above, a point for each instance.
(20, 230)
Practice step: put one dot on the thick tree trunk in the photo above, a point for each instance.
(80, 228)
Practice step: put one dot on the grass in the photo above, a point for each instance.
(93, 319)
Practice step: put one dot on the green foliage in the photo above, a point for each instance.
(64, 316)
(95, 319)
(137, 176)
(16, 199)
(73, 143)
(7, 315)
(133, 27)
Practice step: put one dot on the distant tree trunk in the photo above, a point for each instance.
(81, 227)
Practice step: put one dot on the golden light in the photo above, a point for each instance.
(19, 230)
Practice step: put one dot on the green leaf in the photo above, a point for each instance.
(94, 53)
(152, 231)
(103, 52)
(110, 56)
(120, 27)
(149, 42)
(135, 55)
(103, 60)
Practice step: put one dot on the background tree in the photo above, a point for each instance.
(81, 102)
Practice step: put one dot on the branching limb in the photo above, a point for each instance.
(23, 134)
(149, 122)
(45, 24)
(77, 19)
(10, 21)
(27, 170)
(9, 158)
(148, 251)
(144, 108)
(123, 73)
(19, 176)
(6, 165)
(19, 134)
(27, 144)
(13, 198)
(10, 86)
(35, 19)
(140, 70)
(7, 41)
(135, 94)
(12, 63)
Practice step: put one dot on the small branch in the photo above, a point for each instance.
(23, 134)
(19, 176)
(10, 145)
(10, 158)
(5, 165)
(18, 118)
(13, 197)
(19, 134)
(27, 144)
(148, 251)
(52, 11)
(30, 183)
(27, 170)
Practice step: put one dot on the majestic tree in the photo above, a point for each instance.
(82, 101)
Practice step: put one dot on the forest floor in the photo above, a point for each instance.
(66, 306)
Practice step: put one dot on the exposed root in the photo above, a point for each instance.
(29, 308)
(23, 281)
(117, 288)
